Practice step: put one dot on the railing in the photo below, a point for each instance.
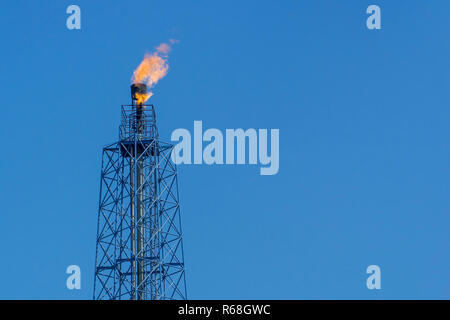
(138, 122)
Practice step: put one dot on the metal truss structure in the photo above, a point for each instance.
(139, 252)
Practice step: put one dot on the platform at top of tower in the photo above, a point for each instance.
(146, 148)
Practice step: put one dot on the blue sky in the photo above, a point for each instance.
(364, 142)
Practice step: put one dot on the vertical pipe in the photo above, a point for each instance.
(133, 245)
(155, 221)
(140, 229)
(138, 220)
(140, 123)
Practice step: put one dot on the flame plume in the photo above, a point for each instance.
(153, 68)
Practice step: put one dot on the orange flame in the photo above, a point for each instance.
(152, 69)
(141, 98)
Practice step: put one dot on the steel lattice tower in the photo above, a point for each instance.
(139, 252)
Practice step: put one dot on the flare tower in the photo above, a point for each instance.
(139, 253)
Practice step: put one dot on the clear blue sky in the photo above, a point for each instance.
(364, 142)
